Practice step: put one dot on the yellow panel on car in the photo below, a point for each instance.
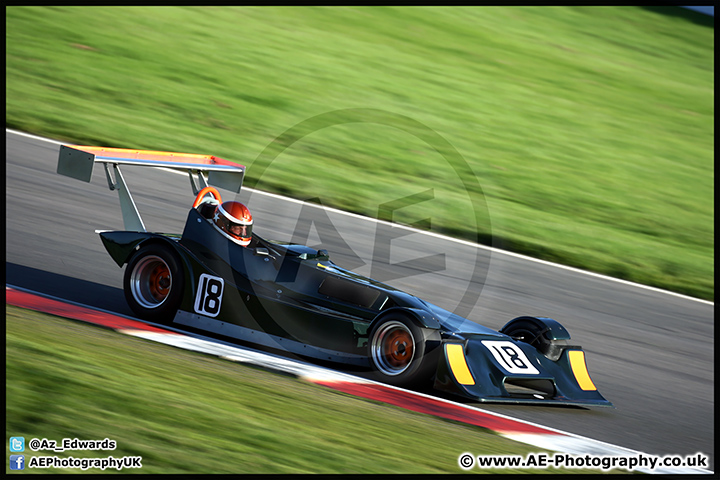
(458, 365)
(579, 368)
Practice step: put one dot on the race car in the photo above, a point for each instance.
(221, 277)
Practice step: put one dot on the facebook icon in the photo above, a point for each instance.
(17, 462)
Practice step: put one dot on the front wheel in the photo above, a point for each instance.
(401, 353)
(153, 283)
(535, 332)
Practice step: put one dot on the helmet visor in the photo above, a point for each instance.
(240, 231)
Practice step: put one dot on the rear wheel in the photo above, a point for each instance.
(401, 353)
(153, 283)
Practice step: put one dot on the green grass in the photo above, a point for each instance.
(590, 129)
(185, 412)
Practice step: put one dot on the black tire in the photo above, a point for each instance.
(533, 331)
(401, 353)
(153, 283)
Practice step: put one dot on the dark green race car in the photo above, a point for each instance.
(294, 299)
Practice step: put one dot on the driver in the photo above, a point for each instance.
(235, 221)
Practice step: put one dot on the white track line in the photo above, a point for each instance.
(432, 234)
(558, 441)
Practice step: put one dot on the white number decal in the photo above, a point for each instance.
(510, 357)
(209, 295)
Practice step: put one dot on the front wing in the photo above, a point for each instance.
(497, 370)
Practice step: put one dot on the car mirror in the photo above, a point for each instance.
(322, 253)
(260, 251)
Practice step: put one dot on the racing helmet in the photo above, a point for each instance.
(235, 221)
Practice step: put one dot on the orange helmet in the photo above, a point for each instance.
(234, 220)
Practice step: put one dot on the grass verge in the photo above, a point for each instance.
(184, 412)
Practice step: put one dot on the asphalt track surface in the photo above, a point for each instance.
(648, 352)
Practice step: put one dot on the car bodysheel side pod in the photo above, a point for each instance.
(295, 299)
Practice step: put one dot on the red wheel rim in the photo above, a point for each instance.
(398, 348)
(151, 281)
(159, 282)
(392, 348)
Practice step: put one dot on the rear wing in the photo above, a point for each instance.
(77, 162)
